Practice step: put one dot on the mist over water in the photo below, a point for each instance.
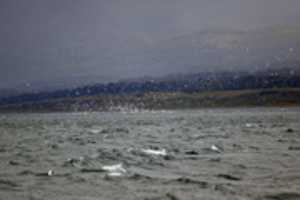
(199, 154)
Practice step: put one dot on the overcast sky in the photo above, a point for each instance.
(60, 39)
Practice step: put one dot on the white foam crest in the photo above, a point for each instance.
(161, 152)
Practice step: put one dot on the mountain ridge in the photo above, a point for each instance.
(187, 83)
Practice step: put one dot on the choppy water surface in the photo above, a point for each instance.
(200, 154)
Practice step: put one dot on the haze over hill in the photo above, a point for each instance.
(215, 50)
(226, 50)
(66, 43)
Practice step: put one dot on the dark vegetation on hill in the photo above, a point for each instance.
(164, 100)
(176, 91)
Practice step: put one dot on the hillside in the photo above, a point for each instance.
(164, 100)
(187, 83)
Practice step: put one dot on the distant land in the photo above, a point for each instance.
(276, 87)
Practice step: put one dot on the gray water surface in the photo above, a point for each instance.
(258, 155)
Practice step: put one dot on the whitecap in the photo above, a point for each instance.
(161, 152)
(95, 131)
(115, 169)
(251, 125)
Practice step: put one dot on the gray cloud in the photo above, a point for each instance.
(44, 40)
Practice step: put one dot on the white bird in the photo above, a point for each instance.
(215, 148)
(50, 173)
